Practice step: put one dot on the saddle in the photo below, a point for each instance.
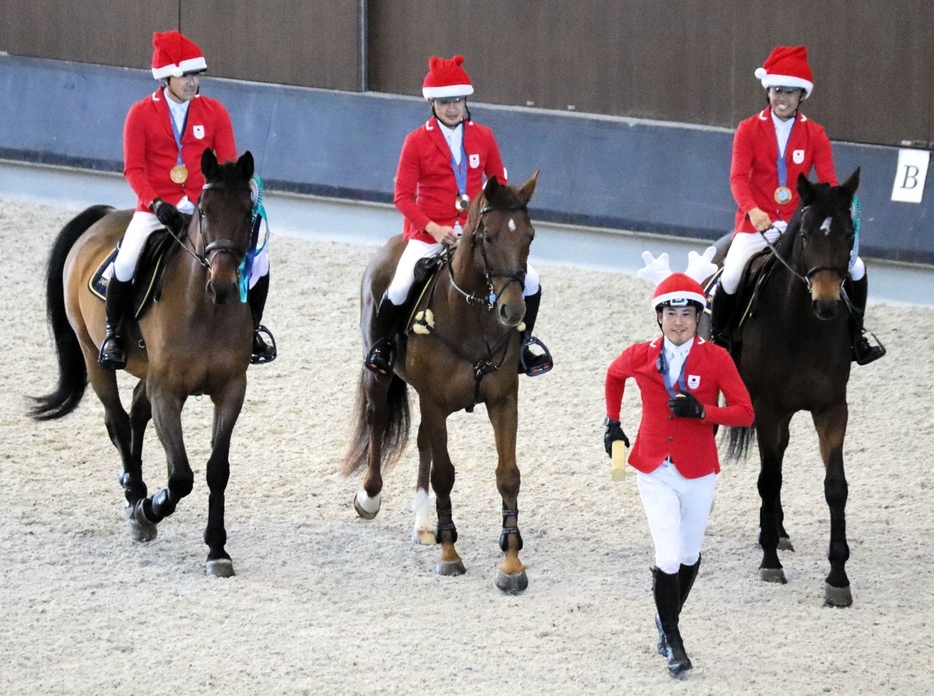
(147, 285)
(755, 274)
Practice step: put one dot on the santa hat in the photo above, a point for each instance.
(678, 289)
(446, 78)
(787, 66)
(174, 55)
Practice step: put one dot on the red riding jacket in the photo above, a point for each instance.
(754, 169)
(426, 189)
(150, 151)
(708, 372)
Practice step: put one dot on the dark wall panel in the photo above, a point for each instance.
(107, 32)
(312, 43)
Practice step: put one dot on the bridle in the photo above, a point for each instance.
(806, 277)
(515, 275)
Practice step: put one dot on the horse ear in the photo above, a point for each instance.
(492, 184)
(805, 189)
(245, 165)
(208, 163)
(851, 184)
(528, 188)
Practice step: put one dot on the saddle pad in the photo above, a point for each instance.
(144, 284)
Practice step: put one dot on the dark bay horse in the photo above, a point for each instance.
(794, 354)
(195, 339)
(470, 356)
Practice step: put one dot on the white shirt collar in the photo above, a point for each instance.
(782, 131)
(178, 111)
(454, 138)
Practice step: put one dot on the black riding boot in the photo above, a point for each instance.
(533, 363)
(262, 351)
(113, 351)
(686, 577)
(668, 603)
(724, 306)
(381, 357)
(863, 352)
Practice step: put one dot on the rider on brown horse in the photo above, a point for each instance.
(770, 149)
(441, 169)
(163, 139)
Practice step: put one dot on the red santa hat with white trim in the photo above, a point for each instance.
(174, 55)
(446, 78)
(678, 289)
(787, 66)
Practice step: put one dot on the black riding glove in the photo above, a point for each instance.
(614, 431)
(686, 405)
(167, 214)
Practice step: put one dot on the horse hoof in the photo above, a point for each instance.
(772, 575)
(450, 567)
(511, 583)
(140, 528)
(784, 544)
(366, 506)
(220, 568)
(837, 596)
(424, 537)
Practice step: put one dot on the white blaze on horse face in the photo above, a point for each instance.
(512, 225)
(825, 226)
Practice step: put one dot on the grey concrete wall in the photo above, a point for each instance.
(616, 173)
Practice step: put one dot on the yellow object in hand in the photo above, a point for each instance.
(618, 470)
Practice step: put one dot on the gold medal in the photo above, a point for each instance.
(461, 203)
(179, 174)
(782, 195)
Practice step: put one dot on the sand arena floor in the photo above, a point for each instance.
(326, 603)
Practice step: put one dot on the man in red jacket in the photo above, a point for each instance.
(164, 137)
(442, 167)
(680, 378)
(770, 150)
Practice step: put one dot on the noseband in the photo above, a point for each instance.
(515, 275)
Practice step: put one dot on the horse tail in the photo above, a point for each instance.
(72, 372)
(396, 436)
(739, 440)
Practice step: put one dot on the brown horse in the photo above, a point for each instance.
(794, 353)
(470, 356)
(195, 339)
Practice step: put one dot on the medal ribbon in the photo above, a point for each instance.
(460, 171)
(780, 160)
(663, 368)
(177, 132)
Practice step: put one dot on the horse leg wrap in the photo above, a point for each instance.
(162, 503)
(133, 488)
(503, 538)
(446, 527)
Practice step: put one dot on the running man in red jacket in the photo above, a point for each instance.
(164, 137)
(680, 378)
(442, 167)
(770, 150)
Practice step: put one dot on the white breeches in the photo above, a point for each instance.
(144, 224)
(745, 244)
(416, 249)
(677, 509)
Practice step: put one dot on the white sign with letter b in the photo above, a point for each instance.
(910, 175)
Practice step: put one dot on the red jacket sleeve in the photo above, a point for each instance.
(616, 375)
(225, 148)
(494, 162)
(738, 412)
(823, 157)
(407, 177)
(740, 167)
(134, 153)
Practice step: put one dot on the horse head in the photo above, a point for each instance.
(225, 216)
(822, 231)
(494, 249)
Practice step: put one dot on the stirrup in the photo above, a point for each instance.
(864, 352)
(268, 353)
(535, 365)
(112, 355)
(380, 358)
